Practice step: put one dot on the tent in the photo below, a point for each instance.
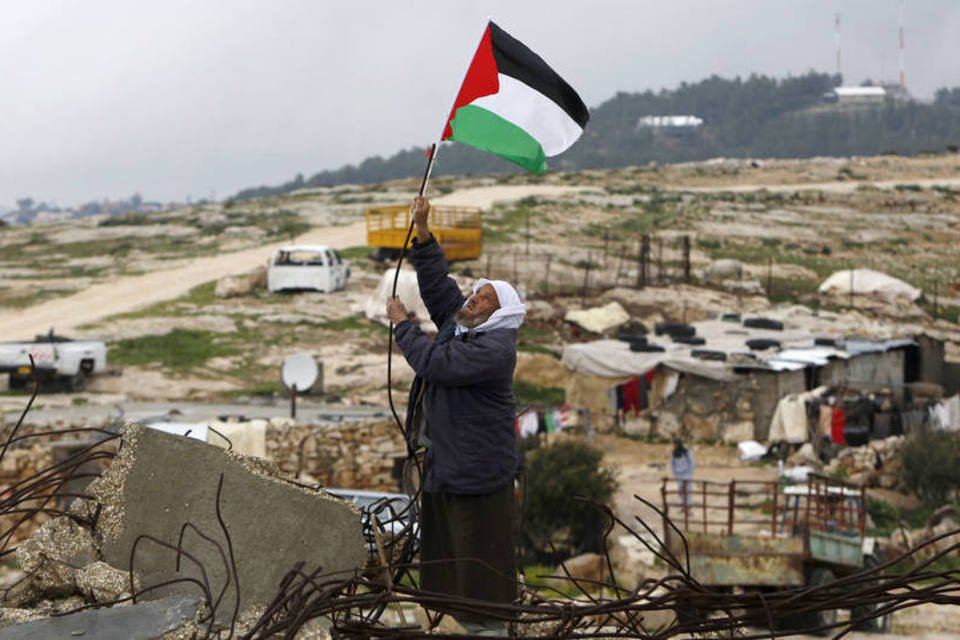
(868, 282)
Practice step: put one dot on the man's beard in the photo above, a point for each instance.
(470, 320)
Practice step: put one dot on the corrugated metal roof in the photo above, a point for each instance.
(797, 351)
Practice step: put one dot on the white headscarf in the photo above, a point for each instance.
(510, 314)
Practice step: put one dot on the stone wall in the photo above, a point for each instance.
(350, 454)
(877, 464)
(731, 411)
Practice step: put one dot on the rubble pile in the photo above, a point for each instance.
(176, 518)
(877, 464)
(941, 523)
(16, 466)
(344, 455)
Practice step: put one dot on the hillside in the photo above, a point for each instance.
(146, 284)
(759, 117)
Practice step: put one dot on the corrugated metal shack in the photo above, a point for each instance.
(723, 379)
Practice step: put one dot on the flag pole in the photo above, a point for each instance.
(432, 156)
(431, 160)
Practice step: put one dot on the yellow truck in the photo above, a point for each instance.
(459, 230)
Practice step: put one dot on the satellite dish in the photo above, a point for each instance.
(299, 372)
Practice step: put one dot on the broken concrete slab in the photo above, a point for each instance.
(160, 482)
(51, 558)
(150, 620)
(103, 584)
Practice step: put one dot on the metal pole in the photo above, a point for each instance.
(936, 295)
(769, 276)
(640, 278)
(293, 402)
(528, 231)
(423, 189)
(623, 250)
(546, 279)
(660, 261)
(851, 286)
(686, 259)
(730, 506)
(586, 279)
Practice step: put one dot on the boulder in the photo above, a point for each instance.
(237, 286)
(591, 568)
(725, 269)
(540, 310)
(631, 559)
(599, 319)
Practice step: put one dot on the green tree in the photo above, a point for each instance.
(564, 483)
(931, 464)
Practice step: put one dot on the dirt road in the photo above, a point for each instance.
(129, 293)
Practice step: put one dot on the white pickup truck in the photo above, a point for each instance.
(56, 358)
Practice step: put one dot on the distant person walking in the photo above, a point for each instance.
(682, 464)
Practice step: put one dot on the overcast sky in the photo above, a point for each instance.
(104, 98)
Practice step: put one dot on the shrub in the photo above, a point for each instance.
(931, 464)
(557, 524)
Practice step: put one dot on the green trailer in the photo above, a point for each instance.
(757, 536)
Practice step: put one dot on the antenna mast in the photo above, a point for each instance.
(836, 21)
(903, 84)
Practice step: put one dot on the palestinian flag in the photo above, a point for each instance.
(514, 105)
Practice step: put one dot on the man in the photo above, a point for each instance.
(462, 409)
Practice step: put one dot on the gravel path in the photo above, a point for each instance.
(129, 293)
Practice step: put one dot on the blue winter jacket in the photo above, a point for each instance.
(468, 388)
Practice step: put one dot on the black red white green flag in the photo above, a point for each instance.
(514, 105)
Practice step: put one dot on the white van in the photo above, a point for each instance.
(316, 267)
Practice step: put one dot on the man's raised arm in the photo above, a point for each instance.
(440, 293)
(421, 210)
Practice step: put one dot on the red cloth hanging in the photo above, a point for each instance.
(631, 395)
(837, 424)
